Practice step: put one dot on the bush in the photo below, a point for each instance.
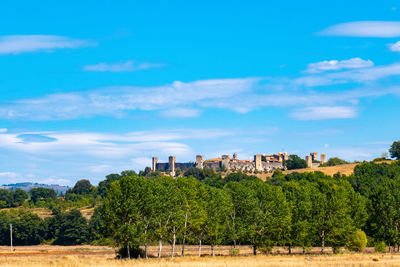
(234, 252)
(135, 253)
(357, 241)
(380, 247)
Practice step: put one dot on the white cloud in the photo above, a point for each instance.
(117, 100)
(16, 44)
(323, 113)
(127, 66)
(3, 130)
(364, 29)
(395, 47)
(10, 175)
(353, 63)
(111, 145)
(180, 113)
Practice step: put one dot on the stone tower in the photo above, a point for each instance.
(199, 161)
(171, 165)
(314, 155)
(225, 161)
(323, 158)
(154, 163)
(258, 162)
(309, 161)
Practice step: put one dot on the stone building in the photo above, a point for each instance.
(314, 157)
(260, 163)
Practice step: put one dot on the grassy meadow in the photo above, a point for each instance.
(104, 256)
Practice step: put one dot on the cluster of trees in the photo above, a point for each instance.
(14, 198)
(293, 210)
(64, 228)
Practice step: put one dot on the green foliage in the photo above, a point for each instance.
(238, 176)
(42, 194)
(234, 252)
(19, 196)
(82, 187)
(357, 241)
(334, 162)
(6, 198)
(134, 253)
(200, 174)
(395, 150)
(380, 247)
(28, 228)
(295, 162)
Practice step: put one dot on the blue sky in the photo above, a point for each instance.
(90, 88)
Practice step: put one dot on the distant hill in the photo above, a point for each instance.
(28, 186)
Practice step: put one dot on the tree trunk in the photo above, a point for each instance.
(323, 242)
(290, 249)
(184, 235)
(304, 250)
(234, 243)
(128, 251)
(173, 244)
(200, 248)
(254, 250)
(159, 247)
(145, 243)
(212, 250)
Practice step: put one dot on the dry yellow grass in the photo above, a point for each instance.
(240, 261)
(72, 256)
(346, 169)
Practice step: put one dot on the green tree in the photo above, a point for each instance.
(72, 229)
(105, 185)
(194, 209)
(298, 195)
(82, 187)
(295, 162)
(219, 207)
(244, 209)
(121, 212)
(357, 241)
(165, 205)
(44, 194)
(384, 211)
(272, 217)
(19, 196)
(395, 150)
(6, 198)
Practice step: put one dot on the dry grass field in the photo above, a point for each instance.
(346, 169)
(104, 256)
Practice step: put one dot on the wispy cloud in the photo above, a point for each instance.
(364, 29)
(127, 66)
(323, 113)
(117, 100)
(16, 44)
(180, 113)
(190, 99)
(395, 47)
(353, 63)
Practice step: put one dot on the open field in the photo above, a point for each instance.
(346, 169)
(104, 256)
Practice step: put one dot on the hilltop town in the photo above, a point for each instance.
(262, 163)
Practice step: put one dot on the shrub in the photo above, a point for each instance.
(380, 247)
(135, 253)
(357, 241)
(234, 252)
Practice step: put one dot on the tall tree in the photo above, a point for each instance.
(122, 214)
(395, 150)
(219, 207)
